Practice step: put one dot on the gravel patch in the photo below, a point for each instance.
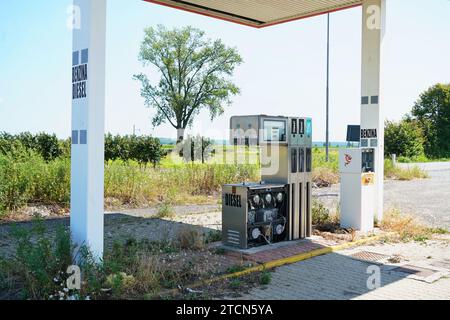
(178, 210)
(427, 199)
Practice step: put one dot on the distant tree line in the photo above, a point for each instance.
(426, 130)
(44, 144)
(143, 149)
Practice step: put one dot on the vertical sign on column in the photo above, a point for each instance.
(88, 109)
(372, 122)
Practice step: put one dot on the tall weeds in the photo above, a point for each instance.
(29, 179)
(392, 171)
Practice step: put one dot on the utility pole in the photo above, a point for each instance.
(328, 92)
(135, 130)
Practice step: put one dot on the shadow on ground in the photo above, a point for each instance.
(118, 227)
(332, 276)
(329, 277)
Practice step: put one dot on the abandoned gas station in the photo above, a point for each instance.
(361, 168)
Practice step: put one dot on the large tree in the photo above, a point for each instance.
(432, 111)
(194, 74)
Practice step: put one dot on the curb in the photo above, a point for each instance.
(284, 261)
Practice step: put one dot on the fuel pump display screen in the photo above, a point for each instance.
(294, 126)
(274, 130)
(368, 160)
(301, 124)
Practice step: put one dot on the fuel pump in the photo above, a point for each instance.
(358, 189)
(286, 164)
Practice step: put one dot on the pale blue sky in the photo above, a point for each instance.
(283, 73)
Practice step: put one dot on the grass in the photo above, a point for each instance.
(236, 268)
(408, 227)
(319, 159)
(39, 263)
(421, 159)
(326, 173)
(404, 174)
(214, 236)
(265, 277)
(30, 178)
(131, 269)
(439, 231)
(190, 183)
(220, 251)
(236, 283)
(27, 179)
(165, 210)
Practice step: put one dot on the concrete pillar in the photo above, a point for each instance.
(88, 113)
(372, 119)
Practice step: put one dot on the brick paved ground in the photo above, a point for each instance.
(338, 276)
(281, 250)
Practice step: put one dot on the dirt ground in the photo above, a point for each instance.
(188, 265)
(431, 205)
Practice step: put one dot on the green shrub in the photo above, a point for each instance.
(165, 210)
(142, 149)
(320, 214)
(46, 145)
(214, 236)
(405, 139)
(40, 263)
(265, 277)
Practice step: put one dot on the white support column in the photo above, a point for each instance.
(88, 113)
(373, 27)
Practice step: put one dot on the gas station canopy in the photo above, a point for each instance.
(259, 13)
